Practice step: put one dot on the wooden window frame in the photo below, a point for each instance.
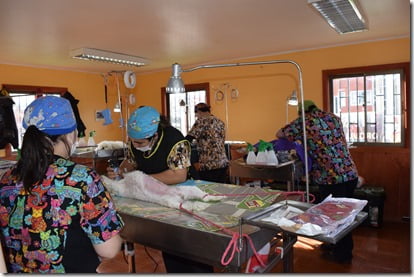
(406, 88)
(37, 90)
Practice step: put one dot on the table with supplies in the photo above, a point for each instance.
(225, 235)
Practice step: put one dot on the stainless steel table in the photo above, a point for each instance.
(181, 234)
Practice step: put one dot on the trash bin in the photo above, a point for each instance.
(375, 206)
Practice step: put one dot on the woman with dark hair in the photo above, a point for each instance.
(160, 150)
(209, 132)
(56, 215)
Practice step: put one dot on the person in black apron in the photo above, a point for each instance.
(161, 151)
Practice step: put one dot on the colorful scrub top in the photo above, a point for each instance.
(210, 133)
(331, 160)
(52, 229)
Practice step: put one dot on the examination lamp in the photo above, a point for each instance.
(176, 85)
(292, 100)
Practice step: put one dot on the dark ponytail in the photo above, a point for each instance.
(36, 156)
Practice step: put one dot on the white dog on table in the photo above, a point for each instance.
(141, 186)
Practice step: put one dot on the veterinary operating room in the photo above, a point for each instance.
(189, 136)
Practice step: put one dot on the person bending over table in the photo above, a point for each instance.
(159, 150)
(333, 169)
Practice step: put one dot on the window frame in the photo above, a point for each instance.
(404, 67)
(190, 87)
(37, 91)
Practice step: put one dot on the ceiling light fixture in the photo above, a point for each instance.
(342, 15)
(91, 54)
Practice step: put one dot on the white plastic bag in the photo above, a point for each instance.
(271, 157)
(251, 158)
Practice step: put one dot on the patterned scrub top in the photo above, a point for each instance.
(179, 157)
(210, 133)
(331, 160)
(35, 226)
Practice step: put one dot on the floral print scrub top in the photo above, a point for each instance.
(209, 132)
(331, 160)
(35, 226)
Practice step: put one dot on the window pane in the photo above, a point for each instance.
(369, 107)
(182, 114)
(21, 101)
(178, 110)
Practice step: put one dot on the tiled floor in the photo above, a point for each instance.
(377, 250)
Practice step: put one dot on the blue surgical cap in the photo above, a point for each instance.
(143, 122)
(52, 115)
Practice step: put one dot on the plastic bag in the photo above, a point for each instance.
(329, 217)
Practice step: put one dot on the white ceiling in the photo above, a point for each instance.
(41, 33)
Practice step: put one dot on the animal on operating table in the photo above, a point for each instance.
(141, 186)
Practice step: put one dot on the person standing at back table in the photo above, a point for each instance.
(333, 169)
(56, 215)
(210, 133)
(159, 150)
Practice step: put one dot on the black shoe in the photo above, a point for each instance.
(330, 256)
(327, 247)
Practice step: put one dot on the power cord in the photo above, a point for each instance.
(152, 258)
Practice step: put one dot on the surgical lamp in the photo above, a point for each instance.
(292, 100)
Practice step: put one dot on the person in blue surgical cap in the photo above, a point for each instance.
(56, 215)
(160, 150)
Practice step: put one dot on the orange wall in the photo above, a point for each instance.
(260, 108)
(86, 87)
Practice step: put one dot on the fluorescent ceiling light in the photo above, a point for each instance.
(107, 56)
(342, 15)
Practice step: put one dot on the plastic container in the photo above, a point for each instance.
(251, 156)
(271, 155)
(261, 155)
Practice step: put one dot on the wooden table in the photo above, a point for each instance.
(284, 172)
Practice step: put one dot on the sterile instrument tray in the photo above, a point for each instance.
(256, 220)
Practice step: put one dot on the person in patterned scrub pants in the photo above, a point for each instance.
(333, 169)
(159, 150)
(55, 215)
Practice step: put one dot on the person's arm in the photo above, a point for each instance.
(178, 163)
(99, 219)
(3, 267)
(171, 177)
(280, 134)
(127, 165)
(109, 248)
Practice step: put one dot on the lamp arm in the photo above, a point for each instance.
(301, 98)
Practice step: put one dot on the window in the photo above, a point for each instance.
(179, 107)
(370, 102)
(22, 97)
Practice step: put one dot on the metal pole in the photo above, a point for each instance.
(301, 100)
